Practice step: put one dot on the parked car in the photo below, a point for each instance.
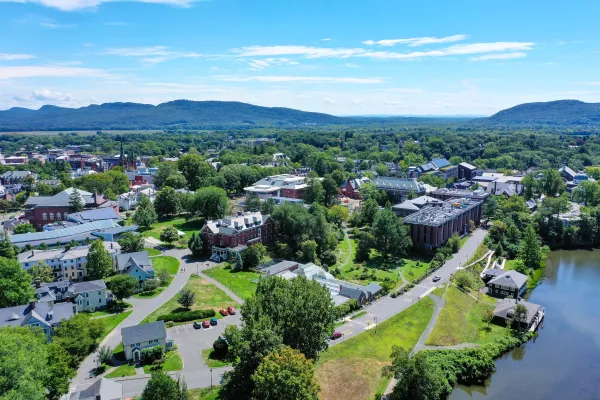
(231, 310)
(436, 278)
(206, 324)
(213, 321)
(197, 324)
(223, 312)
(336, 335)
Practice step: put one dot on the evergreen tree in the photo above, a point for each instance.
(252, 203)
(76, 203)
(7, 250)
(145, 215)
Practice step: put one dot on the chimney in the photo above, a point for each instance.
(38, 283)
(32, 305)
(50, 315)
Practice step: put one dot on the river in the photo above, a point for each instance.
(563, 362)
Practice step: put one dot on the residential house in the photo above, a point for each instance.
(67, 264)
(505, 308)
(567, 173)
(286, 185)
(43, 210)
(136, 264)
(362, 294)
(139, 337)
(102, 389)
(227, 237)
(15, 160)
(37, 315)
(14, 177)
(129, 201)
(351, 188)
(399, 188)
(87, 296)
(502, 283)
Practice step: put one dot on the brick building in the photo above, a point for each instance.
(351, 188)
(229, 236)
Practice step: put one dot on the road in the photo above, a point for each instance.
(387, 307)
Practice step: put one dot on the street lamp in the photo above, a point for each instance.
(211, 378)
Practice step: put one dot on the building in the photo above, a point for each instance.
(466, 171)
(351, 188)
(286, 185)
(567, 173)
(129, 201)
(113, 234)
(432, 226)
(62, 234)
(87, 296)
(37, 315)
(447, 194)
(139, 337)
(502, 283)
(136, 264)
(408, 207)
(43, 210)
(399, 188)
(506, 185)
(15, 160)
(504, 312)
(102, 389)
(67, 264)
(14, 177)
(227, 237)
(98, 214)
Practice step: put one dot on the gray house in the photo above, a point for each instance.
(37, 315)
(505, 308)
(136, 264)
(503, 283)
(139, 337)
(102, 389)
(87, 296)
(362, 294)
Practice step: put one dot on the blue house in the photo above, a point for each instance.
(136, 264)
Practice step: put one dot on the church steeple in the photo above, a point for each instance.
(122, 158)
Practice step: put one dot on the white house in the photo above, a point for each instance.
(87, 296)
(129, 201)
(139, 337)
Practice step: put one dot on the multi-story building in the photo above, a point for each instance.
(43, 210)
(129, 201)
(502, 283)
(408, 207)
(447, 194)
(432, 226)
(87, 296)
(139, 337)
(67, 264)
(399, 188)
(230, 235)
(37, 315)
(351, 188)
(286, 185)
(16, 177)
(466, 171)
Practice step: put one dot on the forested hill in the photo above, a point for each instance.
(560, 112)
(182, 114)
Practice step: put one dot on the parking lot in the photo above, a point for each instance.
(190, 342)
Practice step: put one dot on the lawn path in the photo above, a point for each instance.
(224, 288)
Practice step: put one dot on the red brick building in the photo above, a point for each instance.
(224, 237)
(351, 188)
(44, 210)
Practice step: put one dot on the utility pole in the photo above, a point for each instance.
(211, 386)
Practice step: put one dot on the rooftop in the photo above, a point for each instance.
(384, 182)
(143, 333)
(229, 225)
(438, 215)
(57, 235)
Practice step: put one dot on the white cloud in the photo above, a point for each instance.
(302, 79)
(350, 65)
(327, 39)
(414, 42)
(258, 65)
(44, 95)
(501, 56)
(72, 5)
(152, 54)
(13, 57)
(54, 25)
(27, 71)
(116, 23)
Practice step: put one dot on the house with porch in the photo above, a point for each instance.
(505, 308)
(139, 337)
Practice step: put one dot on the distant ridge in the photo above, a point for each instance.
(559, 112)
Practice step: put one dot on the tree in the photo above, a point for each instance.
(210, 202)
(105, 354)
(391, 236)
(161, 386)
(150, 285)
(167, 202)
(368, 209)
(170, 234)
(338, 215)
(163, 276)
(59, 372)
(7, 250)
(330, 190)
(145, 215)
(15, 284)
(488, 316)
(285, 374)
(491, 208)
(23, 228)
(99, 261)
(131, 242)
(75, 202)
(314, 192)
(454, 242)
(195, 170)
(196, 245)
(78, 336)
(530, 186)
(252, 203)
(123, 286)
(176, 181)
(164, 172)
(253, 255)
(519, 315)
(267, 207)
(41, 272)
(531, 249)
(220, 348)
(186, 298)
(551, 183)
(309, 250)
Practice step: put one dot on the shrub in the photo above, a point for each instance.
(186, 316)
(150, 284)
(151, 354)
(344, 309)
(220, 348)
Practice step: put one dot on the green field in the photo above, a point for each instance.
(461, 321)
(240, 283)
(168, 262)
(352, 370)
(204, 394)
(187, 227)
(213, 362)
(149, 294)
(172, 362)
(111, 322)
(152, 251)
(208, 296)
(414, 268)
(122, 370)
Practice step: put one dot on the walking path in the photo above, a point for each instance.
(224, 288)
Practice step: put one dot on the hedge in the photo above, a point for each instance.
(346, 308)
(186, 315)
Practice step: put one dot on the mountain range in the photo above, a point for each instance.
(186, 114)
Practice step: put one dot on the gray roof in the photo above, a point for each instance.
(405, 205)
(373, 288)
(19, 315)
(511, 279)
(353, 293)
(279, 267)
(119, 229)
(424, 200)
(467, 166)
(58, 234)
(105, 388)
(88, 286)
(143, 333)
(505, 307)
(494, 272)
(94, 215)
(140, 259)
(58, 200)
(384, 182)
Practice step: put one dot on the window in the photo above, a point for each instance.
(65, 214)
(51, 216)
(99, 292)
(87, 303)
(133, 345)
(99, 301)
(137, 344)
(44, 216)
(58, 218)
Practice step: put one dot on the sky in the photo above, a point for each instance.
(347, 57)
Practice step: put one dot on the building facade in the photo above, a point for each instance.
(286, 185)
(139, 337)
(86, 296)
(399, 188)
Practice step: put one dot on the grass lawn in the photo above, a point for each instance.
(168, 262)
(111, 322)
(204, 394)
(510, 264)
(152, 251)
(149, 294)
(461, 322)
(439, 291)
(352, 370)
(172, 363)
(342, 251)
(123, 370)
(213, 362)
(374, 270)
(414, 268)
(481, 250)
(358, 315)
(240, 283)
(207, 296)
(187, 227)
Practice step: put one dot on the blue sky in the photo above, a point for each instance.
(341, 57)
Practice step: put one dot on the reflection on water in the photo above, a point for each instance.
(563, 362)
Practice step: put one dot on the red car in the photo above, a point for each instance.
(336, 335)
(206, 324)
(231, 310)
(223, 312)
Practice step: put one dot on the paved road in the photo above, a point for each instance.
(387, 307)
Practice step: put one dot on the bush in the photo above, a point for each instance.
(151, 354)
(150, 284)
(344, 309)
(220, 348)
(169, 324)
(186, 316)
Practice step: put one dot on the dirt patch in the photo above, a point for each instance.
(350, 378)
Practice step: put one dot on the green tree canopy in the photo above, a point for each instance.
(167, 202)
(195, 170)
(145, 215)
(131, 242)
(161, 386)
(210, 202)
(123, 286)
(99, 261)
(15, 284)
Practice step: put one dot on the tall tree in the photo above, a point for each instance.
(186, 298)
(167, 202)
(41, 272)
(7, 250)
(123, 286)
(196, 245)
(99, 261)
(165, 170)
(530, 186)
(531, 251)
(252, 203)
(267, 207)
(391, 236)
(161, 386)
(15, 284)
(195, 170)
(59, 372)
(75, 202)
(170, 234)
(78, 336)
(145, 215)
(131, 242)
(285, 374)
(210, 202)
(330, 190)
(368, 209)
(338, 215)
(551, 183)
(520, 313)
(314, 192)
